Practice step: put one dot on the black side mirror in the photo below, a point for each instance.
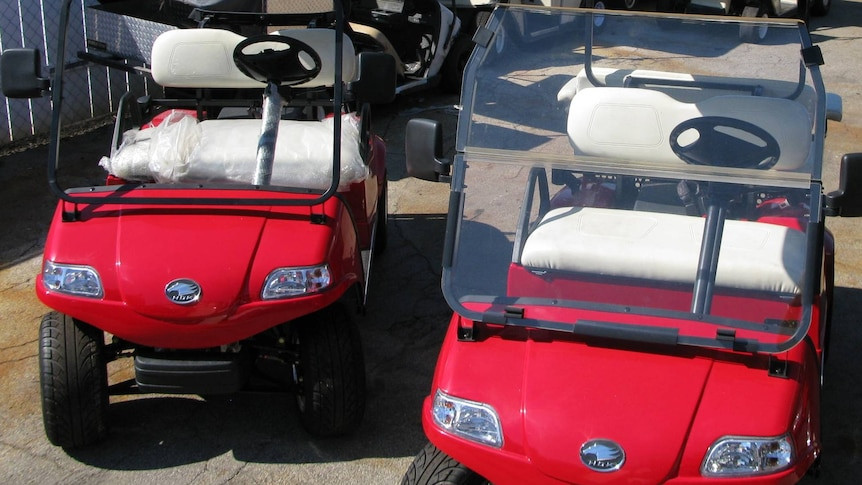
(377, 78)
(847, 200)
(423, 144)
(19, 74)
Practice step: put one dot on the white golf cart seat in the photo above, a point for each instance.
(203, 58)
(634, 124)
(380, 38)
(664, 248)
(685, 87)
(225, 150)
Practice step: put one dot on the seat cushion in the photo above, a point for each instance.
(665, 248)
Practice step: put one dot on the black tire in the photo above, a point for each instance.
(753, 34)
(433, 467)
(803, 10)
(329, 373)
(820, 7)
(668, 6)
(598, 20)
(74, 381)
(455, 63)
(382, 235)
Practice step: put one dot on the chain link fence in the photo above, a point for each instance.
(90, 91)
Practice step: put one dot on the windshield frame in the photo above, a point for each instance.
(510, 310)
(192, 194)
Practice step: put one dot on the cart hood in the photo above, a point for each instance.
(636, 400)
(216, 251)
(155, 250)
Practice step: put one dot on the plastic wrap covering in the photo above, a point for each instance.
(181, 150)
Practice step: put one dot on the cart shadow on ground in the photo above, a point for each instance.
(841, 415)
(401, 330)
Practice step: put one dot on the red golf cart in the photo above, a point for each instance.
(635, 255)
(233, 235)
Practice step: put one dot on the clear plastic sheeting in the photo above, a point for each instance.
(183, 150)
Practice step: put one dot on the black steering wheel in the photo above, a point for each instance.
(726, 142)
(283, 60)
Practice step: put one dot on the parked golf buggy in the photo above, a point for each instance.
(429, 40)
(231, 242)
(800, 9)
(635, 255)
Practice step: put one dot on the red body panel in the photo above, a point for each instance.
(664, 408)
(229, 250)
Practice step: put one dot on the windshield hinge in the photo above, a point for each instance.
(483, 37)
(467, 331)
(737, 344)
(499, 318)
(513, 312)
(778, 367)
(812, 56)
(70, 212)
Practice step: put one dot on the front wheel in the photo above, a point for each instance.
(381, 234)
(329, 372)
(433, 467)
(74, 381)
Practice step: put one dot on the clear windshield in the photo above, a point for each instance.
(222, 109)
(639, 177)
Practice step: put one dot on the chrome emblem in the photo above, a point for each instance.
(183, 291)
(602, 455)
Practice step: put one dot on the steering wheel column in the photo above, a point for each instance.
(277, 61)
(718, 142)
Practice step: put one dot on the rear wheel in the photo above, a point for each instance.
(820, 7)
(753, 34)
(329, 373)
(598, 20)
(74, 381)
(432, 467)
(455, 63)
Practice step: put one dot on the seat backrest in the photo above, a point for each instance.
(203, 58)
(685, 87)
(635, 123)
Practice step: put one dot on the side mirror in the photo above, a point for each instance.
(423, 144)
(377, 78)
(19, 74)
(847, 200)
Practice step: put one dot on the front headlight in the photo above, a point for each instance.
(288, 282)
(744, 456)
(72, 279)
(472, 420)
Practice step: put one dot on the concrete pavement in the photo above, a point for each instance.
(256, 438)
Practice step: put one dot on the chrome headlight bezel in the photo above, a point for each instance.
(290, 282)
(72, 279)
(765, 455)
(475, 421)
